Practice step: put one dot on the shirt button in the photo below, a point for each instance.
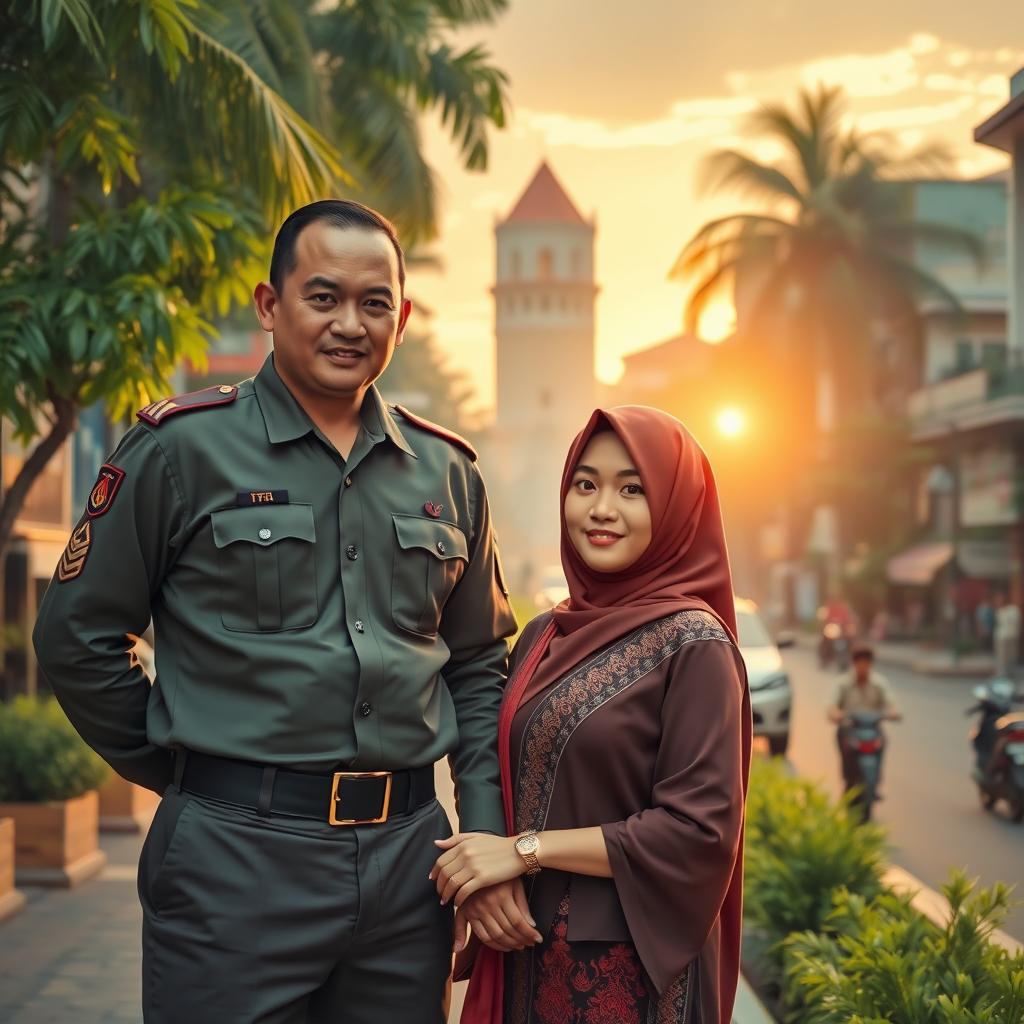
(265, 534)
(365, 709)
(440, 547)
(359, 627)
(351, 553)
(348, 481)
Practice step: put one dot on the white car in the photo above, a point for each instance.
(770, 694)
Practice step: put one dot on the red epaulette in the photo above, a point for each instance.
(448, 435)
(156, 412)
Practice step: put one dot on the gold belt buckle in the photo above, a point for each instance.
(332, 816)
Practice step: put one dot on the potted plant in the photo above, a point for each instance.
(125, 807)
(48, 782)
(11, 901)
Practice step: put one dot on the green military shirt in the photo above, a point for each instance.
(310, 611)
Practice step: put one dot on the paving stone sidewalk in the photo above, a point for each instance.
(72, 956)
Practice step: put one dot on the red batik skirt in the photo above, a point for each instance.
(562, 982)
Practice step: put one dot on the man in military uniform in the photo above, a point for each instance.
(330, 620)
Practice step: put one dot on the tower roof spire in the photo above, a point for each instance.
(544, 201)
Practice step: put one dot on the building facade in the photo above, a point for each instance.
(544, 299)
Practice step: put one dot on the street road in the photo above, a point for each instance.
(931, 808)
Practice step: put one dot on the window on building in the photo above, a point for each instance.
(545, 265)
(517, 265)
(964, 355)
(993, 356)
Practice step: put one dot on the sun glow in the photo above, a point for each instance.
(717, 322)
(731, 422)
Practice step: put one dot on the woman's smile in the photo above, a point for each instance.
(603, 538)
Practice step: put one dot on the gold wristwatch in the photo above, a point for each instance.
(527, 846)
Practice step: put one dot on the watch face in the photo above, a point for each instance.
(528, 844)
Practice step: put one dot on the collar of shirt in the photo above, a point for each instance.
(286, 420)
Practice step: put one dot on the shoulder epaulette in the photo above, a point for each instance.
(156, 412)
(433, 428)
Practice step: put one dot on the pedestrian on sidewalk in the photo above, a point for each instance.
(1006, 637)
(330, 620)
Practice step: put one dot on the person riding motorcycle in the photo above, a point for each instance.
(862, 690)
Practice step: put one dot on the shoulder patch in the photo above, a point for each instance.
(156, 412)
(433, 428)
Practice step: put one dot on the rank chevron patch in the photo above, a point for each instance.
(72, 562)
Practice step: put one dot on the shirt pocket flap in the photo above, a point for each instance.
(442, 540)
(263, 525)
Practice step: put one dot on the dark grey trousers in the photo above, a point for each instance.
(250, 920)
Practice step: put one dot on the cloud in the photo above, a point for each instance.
(905, 87)
(687, 120)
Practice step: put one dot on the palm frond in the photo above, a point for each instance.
(382, 134)
(470, 12)
(229, 120)
(729, 169)
(718, 236)
(472, 95)
(79, 14)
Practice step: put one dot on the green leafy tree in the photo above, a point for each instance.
(148, 146)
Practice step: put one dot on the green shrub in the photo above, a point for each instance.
(41, 755)
(801, 848)
(882, 962)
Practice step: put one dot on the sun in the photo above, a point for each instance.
(731, 422)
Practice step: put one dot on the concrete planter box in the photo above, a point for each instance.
(125, 807)
(56, 843)
(11, 901)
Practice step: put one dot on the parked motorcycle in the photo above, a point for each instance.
(834, 647)
(998, 741)
(864, 743)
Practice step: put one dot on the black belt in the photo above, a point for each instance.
(340, 798)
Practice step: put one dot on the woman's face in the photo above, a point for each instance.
(606, 512)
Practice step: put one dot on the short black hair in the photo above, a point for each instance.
(862, 650)
(342, 213)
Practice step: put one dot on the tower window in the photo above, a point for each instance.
(545, 265)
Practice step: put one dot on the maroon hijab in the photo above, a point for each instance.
(685, 566)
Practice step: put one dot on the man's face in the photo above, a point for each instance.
(340, 313)
(862, 669)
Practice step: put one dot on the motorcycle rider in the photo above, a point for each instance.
(863, 689)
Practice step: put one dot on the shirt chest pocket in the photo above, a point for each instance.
(267, 559)
(430, 558)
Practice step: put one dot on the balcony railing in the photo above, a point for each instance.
(974, 397)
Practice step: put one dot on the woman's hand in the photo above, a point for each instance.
(472, 861)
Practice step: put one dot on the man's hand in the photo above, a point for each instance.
(499, 916)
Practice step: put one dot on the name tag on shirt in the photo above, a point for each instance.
(245, 498)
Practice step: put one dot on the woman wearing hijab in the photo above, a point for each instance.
(624, 742)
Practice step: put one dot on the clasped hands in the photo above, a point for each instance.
(480, 873)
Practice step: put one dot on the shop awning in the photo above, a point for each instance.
(917, 566)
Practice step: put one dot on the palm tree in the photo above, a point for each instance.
(832, 256)
(363, 71)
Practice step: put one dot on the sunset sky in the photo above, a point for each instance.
(625, 100)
